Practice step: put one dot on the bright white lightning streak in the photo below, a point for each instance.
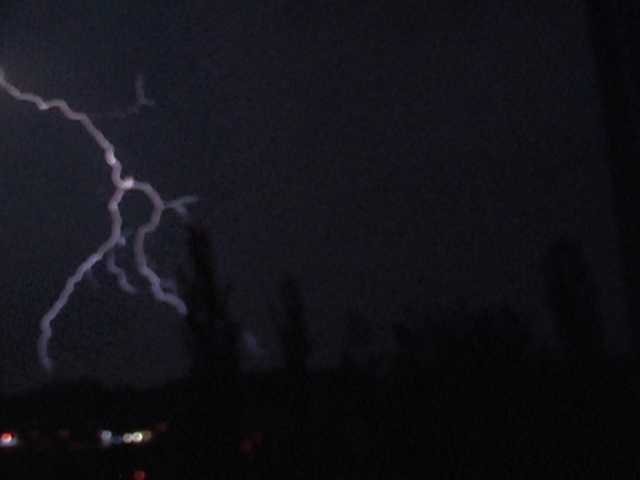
(122, 186)
(120, 274)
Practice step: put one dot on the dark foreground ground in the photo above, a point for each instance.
(468, 395)
(468, 418)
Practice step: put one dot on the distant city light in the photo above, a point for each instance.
(140, 475)
(106, 437)
(8, 439)
(137, 437)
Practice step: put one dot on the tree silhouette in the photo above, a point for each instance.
(293, 330)
(358, 339)
(216, 408)
(573, 299)
(214, 332)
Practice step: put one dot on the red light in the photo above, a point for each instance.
(162, 427)
(6, 437)
(140, 475)
(251, 443)
(247, 447)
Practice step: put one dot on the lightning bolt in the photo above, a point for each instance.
(120, 273)
(122, 186)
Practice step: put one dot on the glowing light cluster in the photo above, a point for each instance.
(8, 439)
(139, 475)
(122, 186)
(108, 438)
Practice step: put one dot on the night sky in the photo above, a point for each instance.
(392, 159)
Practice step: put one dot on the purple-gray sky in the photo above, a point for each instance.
(387, 156)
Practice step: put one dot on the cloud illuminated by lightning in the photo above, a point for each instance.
(122, 186)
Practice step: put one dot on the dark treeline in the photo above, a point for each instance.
(466, 394)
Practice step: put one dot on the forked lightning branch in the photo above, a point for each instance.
(121, 187)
